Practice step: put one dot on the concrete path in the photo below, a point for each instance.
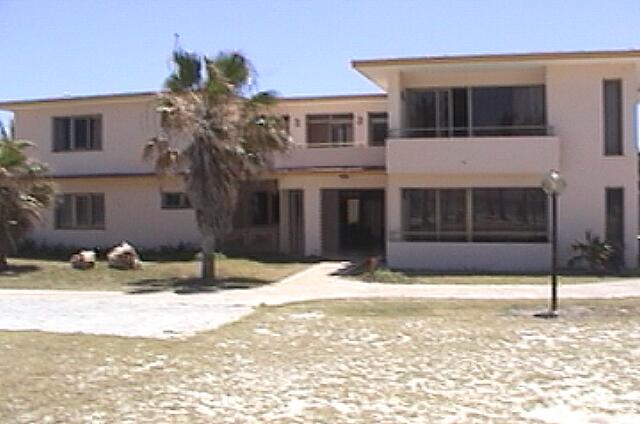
(166, 314)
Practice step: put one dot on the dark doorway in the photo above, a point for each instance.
(353, 222)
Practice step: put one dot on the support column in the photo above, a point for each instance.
(312, 224)
(283, 227)
(394, 100)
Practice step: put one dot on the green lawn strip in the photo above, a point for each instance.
(154, 276)
(345, 361)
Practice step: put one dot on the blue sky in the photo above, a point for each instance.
(53, 48)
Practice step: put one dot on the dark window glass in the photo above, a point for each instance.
(378, 128)
(460, 111)
(260, 208)
(508, 110)
(175, 200)
(286, 123)
(423, 107)
(615, 221)
(453, 215)
(97, 210)
(77, 133)
(418, 214)
(80, 211)
(81, 133)
(83, 211)
(275, 208)
(612, 96)
(61, 134)
(509, 215)
(330, 129)
(63, 211)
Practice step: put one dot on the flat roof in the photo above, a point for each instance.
(501, 57)
(115, 96)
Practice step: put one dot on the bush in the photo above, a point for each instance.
(596, 253)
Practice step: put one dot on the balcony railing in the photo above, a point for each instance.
(497, 131)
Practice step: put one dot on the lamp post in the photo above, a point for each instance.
(553, 184)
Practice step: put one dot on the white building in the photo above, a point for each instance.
(441, 172)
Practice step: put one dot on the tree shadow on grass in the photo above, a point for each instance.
(192, 285)
(16, 270)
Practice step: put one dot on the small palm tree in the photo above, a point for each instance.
(216, 131)
(595, 252)
(24, 192)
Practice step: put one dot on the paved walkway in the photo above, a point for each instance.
(166, 314)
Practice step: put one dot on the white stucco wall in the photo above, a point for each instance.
(132, 212)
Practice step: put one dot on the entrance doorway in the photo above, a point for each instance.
(353, 222)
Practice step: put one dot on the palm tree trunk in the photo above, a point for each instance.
(4, 265)
(208, 265)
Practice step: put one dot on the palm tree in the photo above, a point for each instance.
(24, 192)
(216, 131)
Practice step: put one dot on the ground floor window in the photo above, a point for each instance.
(175, 200)
(79, 211)
(475, 215)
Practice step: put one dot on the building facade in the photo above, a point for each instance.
(440, 172)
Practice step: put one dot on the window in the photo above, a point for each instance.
(378, 128)
(286, 123)
(508, 110)
(478, 214)
(612, 99)
(475, 111)
(615, 218)
(330, 129)
(509, 215)
(77, 133)
(265, 208)
(79, 211)
(434, 214)
(175, 200)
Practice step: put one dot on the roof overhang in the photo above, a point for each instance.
(379, 70)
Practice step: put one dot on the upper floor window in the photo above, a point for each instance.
(330, 129)
(175, 200)
(286, 123)
(77, 133)
(476, 111)
(378, 128)
(612, 105)
(82, 211)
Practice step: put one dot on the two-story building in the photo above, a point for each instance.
(442, 171)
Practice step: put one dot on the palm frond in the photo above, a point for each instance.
(188, 71)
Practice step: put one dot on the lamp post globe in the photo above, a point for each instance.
(553, 183)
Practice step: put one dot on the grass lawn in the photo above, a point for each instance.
(384, 275)
(154, 276)
(343, 362)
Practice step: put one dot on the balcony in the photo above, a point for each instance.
(486, 150)
(330, 156)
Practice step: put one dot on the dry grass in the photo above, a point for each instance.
(154, 276)
(383, 275)
(346, 362)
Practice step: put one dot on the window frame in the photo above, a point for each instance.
(469, 233)
(446, 113)
(330, 120)
(73, 198)
(372, 117)
(619, 122)
(94, 136)
(183, 202)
